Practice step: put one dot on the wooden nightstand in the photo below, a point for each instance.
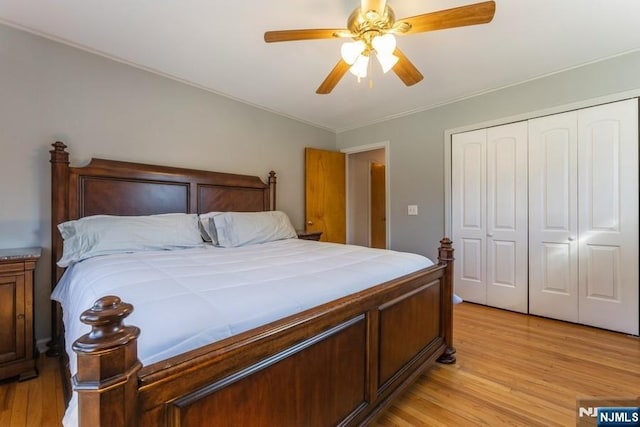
(17, 349)
(309, 235)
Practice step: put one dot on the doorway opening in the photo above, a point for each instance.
(367, 193)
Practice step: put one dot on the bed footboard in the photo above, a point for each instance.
(337, 364)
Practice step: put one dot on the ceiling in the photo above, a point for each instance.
(218, 45)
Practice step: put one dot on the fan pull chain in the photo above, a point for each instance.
(370, 73)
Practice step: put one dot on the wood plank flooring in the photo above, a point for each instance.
(33, 403)
(512, 369)
(518, 370)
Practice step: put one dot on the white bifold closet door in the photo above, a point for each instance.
(583, 216)
(553, 216)
(489, 215)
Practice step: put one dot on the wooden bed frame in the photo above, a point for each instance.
(337, 364)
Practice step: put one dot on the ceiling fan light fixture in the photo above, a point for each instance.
(372, 27)
(350, 51)
(384, 44)
(359, 67)
(387, 61)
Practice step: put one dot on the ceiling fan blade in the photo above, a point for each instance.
(405, 69)
(473, 14)
(333, 78)
(311, 34)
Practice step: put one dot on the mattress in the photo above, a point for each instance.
(214, 293)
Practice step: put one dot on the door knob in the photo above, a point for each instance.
(309, 222)
(489, 234)
(571, 238)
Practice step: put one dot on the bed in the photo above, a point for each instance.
(336, 361)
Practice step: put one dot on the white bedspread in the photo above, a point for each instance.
(184, 299)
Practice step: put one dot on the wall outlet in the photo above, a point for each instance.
(412, 210)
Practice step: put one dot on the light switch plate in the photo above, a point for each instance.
(412, 210)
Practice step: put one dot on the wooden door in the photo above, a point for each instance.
(553, 220)
(608, 216)
(325, 194)
(378, 211)
(507, 225)
(468, 209)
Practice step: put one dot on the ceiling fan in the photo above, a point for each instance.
(372, 26)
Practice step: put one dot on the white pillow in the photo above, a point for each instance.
(208, 228)
(106, 234)
(246, 228)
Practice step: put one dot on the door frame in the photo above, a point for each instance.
(370, 147)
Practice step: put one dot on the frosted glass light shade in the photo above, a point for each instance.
(387, 61)
(359, 67)
(384, 45)
(351, 50)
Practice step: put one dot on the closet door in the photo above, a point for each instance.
(506, 244)
(468, 199)
(489, 215)
(608, 216)
(553, 217)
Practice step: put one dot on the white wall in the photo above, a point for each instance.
(101, 108)
(416, 147)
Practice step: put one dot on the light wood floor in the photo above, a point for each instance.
(518, 370)
(33, 403)
(512, 369)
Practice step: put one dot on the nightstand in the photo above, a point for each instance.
(309, 235)
(17, 349)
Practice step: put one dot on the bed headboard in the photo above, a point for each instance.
(112, 187)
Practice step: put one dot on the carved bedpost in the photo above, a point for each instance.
(59, 188)
(107, 380)
(445, 257)
(272, 191)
